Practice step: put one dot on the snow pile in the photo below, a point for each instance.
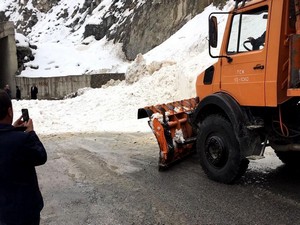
(267, 164)
(113, 108)
(139, 68)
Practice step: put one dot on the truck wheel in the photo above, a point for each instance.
(219, 151)
(290, 158)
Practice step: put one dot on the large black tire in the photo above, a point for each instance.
(219, 151)
(290, 158)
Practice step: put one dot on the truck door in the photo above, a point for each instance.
(244, 76)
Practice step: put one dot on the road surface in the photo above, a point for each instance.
(112, 178)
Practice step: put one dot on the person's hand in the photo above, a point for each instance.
(28, 125)
(253, 41)
(19, 122)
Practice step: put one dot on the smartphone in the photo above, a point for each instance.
(25, 115)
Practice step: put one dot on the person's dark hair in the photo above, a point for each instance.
(5, 103)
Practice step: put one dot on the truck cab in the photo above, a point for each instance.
(254, 75)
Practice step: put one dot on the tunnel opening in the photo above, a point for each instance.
(8, 56)
(4, 69)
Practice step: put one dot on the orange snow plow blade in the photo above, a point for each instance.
(170, 125)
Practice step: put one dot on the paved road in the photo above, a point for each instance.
(112, 178)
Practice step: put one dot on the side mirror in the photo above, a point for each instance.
(213, 32)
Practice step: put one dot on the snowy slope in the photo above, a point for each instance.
(61, 47)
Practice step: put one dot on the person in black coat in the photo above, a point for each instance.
(8, 91)
(18, 93)
(20, 151)
(34, 91)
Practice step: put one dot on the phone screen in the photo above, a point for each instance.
(25, 115)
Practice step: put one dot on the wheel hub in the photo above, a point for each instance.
(216, 152)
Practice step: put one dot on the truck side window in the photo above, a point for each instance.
(248, 31)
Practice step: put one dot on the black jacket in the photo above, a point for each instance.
(20, 197)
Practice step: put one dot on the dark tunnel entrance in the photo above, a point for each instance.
(4, 70)
(8, 56)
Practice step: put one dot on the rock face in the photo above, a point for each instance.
(24, 52)
(44, 5)
(24, 55)
(28, 15)
(138, 25)
(153, 23)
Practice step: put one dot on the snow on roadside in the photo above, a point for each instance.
(267, 164)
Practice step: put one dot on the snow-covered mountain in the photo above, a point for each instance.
(92, 36)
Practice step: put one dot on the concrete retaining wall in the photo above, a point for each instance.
(59, 87)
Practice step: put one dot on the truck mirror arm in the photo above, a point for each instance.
(229, 59)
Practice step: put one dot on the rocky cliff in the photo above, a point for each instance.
(139, 25)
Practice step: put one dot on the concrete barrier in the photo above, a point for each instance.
(59, 87)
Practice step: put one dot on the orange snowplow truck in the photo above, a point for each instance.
(247, 100)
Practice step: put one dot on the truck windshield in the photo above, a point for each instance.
(248, 31)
